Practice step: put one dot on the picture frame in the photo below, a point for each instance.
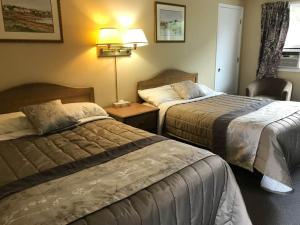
(170, 22)
(30, 21)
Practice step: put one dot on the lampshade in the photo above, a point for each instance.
(135, 38)
(109, 36)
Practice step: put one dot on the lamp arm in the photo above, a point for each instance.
(116, 79)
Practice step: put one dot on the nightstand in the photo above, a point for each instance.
(136, 115)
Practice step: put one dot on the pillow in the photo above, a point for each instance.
(188, 90)
(84, 110)
(14, 122)
(49, 117)
(206, 90)
(157, 96)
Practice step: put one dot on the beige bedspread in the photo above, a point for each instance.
(194, 121)
(88, 174)
(233, 127)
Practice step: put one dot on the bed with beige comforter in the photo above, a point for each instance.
(247, 132)
(105, 172)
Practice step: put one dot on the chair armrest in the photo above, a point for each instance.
(253, 89)
(286, 93)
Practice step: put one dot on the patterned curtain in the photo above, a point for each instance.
(274, 28)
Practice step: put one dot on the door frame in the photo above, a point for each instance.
(239, 45)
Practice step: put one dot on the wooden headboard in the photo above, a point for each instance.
(167, 77)
(12, 99)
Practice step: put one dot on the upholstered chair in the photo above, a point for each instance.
(270, 88)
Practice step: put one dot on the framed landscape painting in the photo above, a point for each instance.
(170, 22)
(30, 20)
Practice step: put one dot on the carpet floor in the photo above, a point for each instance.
(266, 208)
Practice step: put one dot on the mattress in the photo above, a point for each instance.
(105, 172)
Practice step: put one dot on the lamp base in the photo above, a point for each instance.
(121, 104)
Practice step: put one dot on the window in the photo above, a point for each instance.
(293, 37)
(291, 53)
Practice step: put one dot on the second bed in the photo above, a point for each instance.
(247, 132)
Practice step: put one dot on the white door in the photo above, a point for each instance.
(228, 48)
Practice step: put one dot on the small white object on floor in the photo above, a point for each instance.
(274, 186)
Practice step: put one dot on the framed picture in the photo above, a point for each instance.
(30, 20)
(170, 22)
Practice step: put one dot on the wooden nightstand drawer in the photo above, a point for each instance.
(146, 121)
(136, 115)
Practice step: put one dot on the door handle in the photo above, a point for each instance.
(219, 70)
